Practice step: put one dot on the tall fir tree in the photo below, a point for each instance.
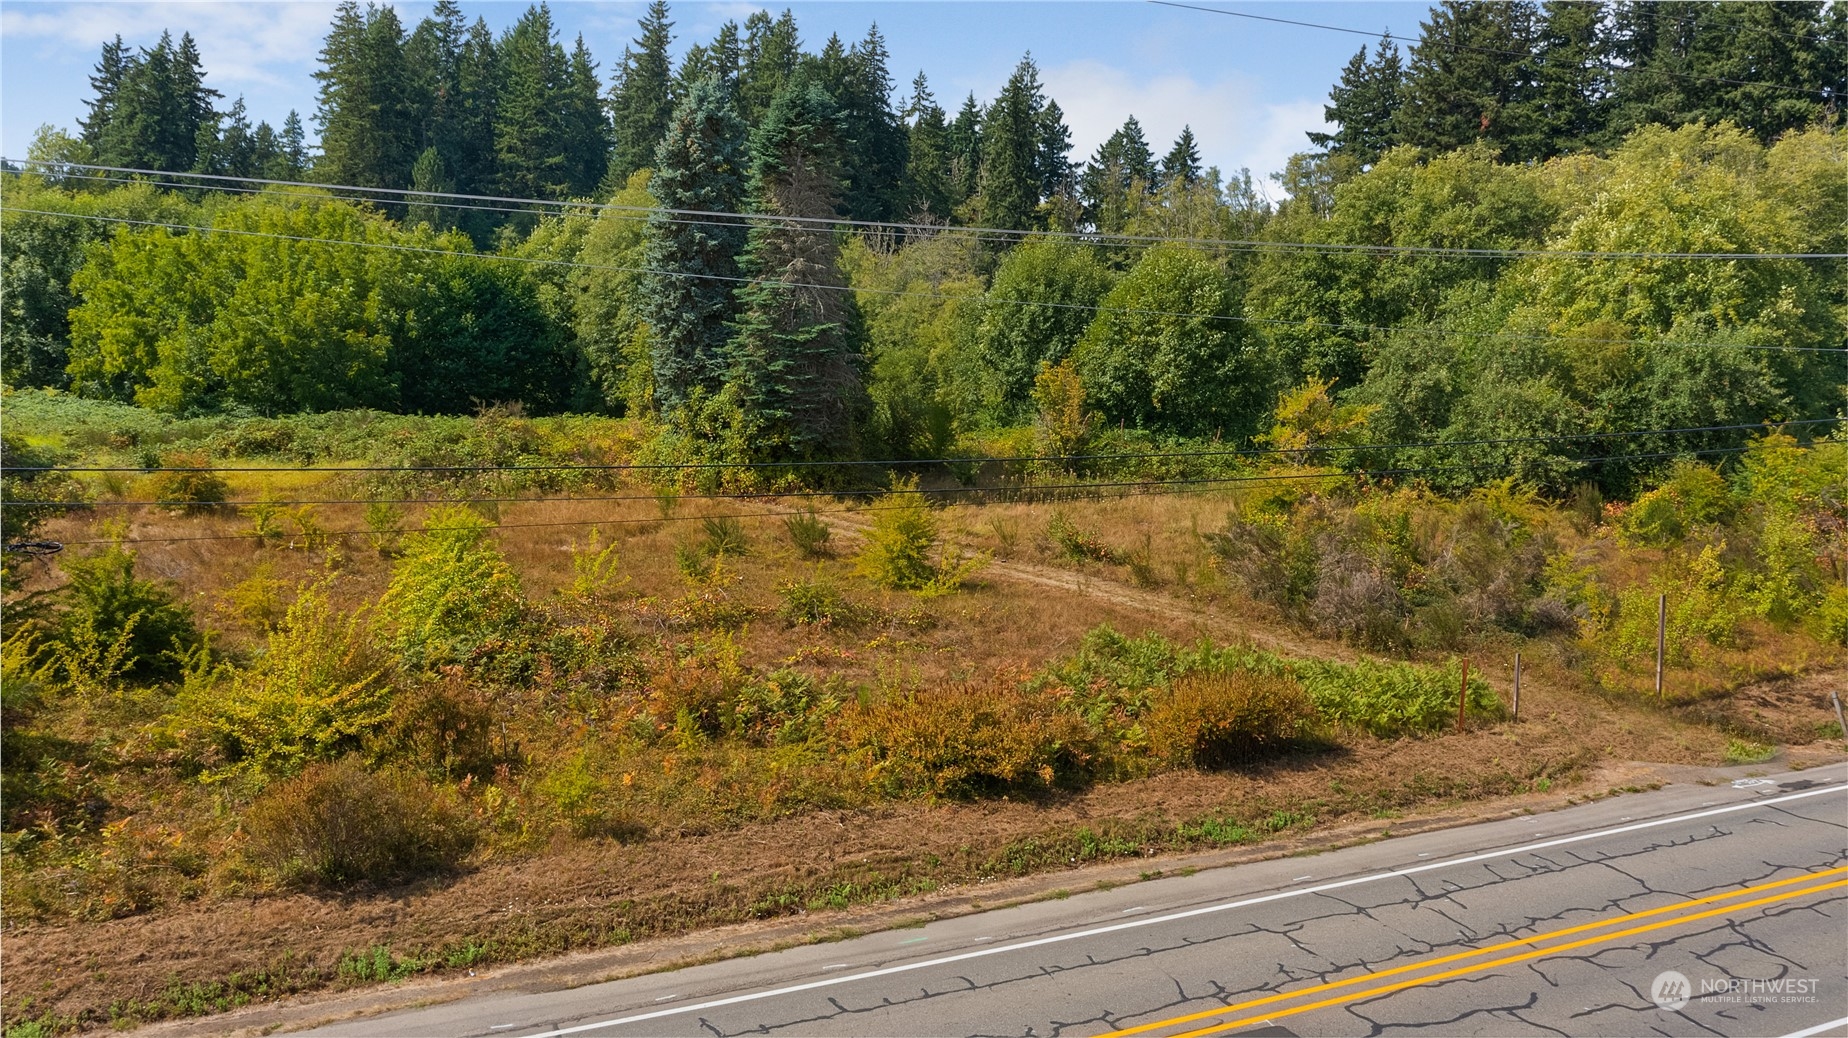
(928, 191)
(719, 60)
(1182, 165)
(771, 53)
(873, 161)
(433, 60)
(587, 137)
(159, 111)
(1122, 169)
(964, 144)
(795, 361)
(366, 112)
(1470, 79)
(1364, 105)
(473, 113)
(291, 159)
(529, 128)
(1057, 175)
(686, 298)
(1010, 180)
(641, 100)
(106, 88)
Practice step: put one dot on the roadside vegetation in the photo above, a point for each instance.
(560, 573)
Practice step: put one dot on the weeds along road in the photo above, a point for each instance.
(1692, 910)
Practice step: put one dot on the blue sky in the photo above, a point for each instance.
(1249, 89)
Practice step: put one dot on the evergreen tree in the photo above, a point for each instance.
(290, 161)
(772, 51)
(471, 117)
(1364, 105)
(1056, 171)
(878, 147)
(1769, 67)
(433, 61)
(719, 60)
(1182, 166)
(106, 85)
(428, 175)
(928, 190)
(156, 110)
(795, 358)
(964, 143)
(1121, 169)
(686, 299)
(586, 130)
(1010, 177)
(529, 129)
(1470, 79)
(1570, 82)
(641, 100)
(228, 146)
(366, 115)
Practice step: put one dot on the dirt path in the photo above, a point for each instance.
(1132, 597)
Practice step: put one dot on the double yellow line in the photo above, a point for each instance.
(1786, 889)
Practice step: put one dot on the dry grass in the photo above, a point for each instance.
(727, 839)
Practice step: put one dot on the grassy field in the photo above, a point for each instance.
(352, 741)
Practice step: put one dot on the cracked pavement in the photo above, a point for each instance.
(1102, 961)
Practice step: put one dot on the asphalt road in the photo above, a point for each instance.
(1563, 923)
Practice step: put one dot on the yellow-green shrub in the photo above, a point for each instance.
(316, 692)
(187, 483)
(1215, 719)
(899, 547)
(450, 591)
(965, 740)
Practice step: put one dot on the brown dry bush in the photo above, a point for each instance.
(340, 823)
(967, 740)
(1222, 719)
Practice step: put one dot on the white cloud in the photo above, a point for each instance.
(244, 45)
(1234, 129)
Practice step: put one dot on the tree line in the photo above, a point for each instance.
(1536, 80)
(779, 335)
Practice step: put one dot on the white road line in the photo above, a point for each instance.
(1096, 931)
(1819, 1028)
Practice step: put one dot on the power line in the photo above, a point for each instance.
(1607, 65)
(906, 462)
(1025, 488)
(906, 293)
(735, 219)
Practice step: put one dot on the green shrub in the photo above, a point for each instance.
(340, 823)
(315, 693)
(818, 601)
(187, 483)
(1692, 495)
(809, 534)
(451, 590)
(1076, 544)
(578, 792)
(899, 547)
(1216, 720)
(1831, 617)
(106, 613)
(966, 740)
(1388, 700)
(724, 537)
(1114, 680)
(593, 567)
